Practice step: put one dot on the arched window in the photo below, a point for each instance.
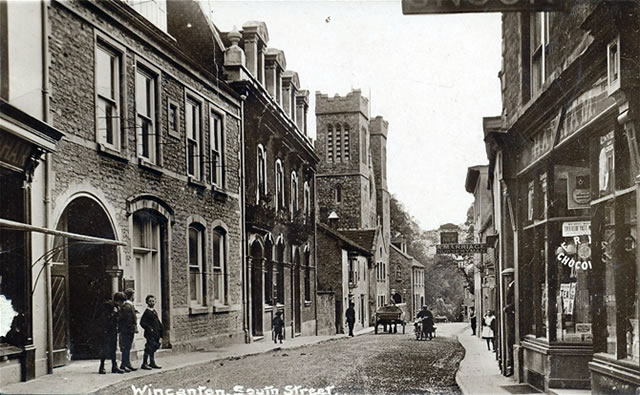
(197, 280)
(338, 139)
(307, 199)
(280, 202)
(329, 143)
(219, 245)
(261, 187)
(346, 145)
(294, 193)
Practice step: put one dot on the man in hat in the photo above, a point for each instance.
(350, 315)
(128, 325)
(278, 325)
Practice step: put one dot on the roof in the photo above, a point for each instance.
(417, 264)
(397, 250)
(473, 174)
(364, 237)
(339, 236)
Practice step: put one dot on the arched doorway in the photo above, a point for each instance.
(257, 258)
(81, 281)
(297, 308)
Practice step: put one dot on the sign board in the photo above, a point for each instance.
(412, 7)
(576, 228)
(448, 237)
(461, 248)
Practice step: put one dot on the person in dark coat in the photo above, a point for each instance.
(110, 316)
(474, 320)
(351, 317)
(427, 322)
(152, 333)
(128, 325)
(277, 324)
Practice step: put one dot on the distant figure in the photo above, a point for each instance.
(473, 320)
(427, 321)
(152, 333)
(488, 326)
(110, 316)
(278, 325)
(351, 317)
(128, 324)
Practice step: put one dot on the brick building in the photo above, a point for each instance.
(148, 170)
(564, 176)
(352, 180)
(406, 278)
(280, 167)
(344, 269)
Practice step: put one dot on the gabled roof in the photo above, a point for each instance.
(364, 237)
(346, 240)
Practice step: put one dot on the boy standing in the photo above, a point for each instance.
(128, 323)
(110, 332)
(152, 333)
(277, 324)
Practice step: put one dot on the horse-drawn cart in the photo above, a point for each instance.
(390, 316)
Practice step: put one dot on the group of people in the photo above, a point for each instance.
(426, 318)
(120, 318)
(488, 327)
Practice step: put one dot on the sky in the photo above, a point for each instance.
(432, 77)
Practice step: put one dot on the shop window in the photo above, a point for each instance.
(108, 64)
(219, 243)
(146, 98)
(197, 282)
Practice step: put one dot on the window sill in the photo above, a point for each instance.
(219, 194)
(7, 350)
(221, 308)
(196, 183)
(115, 154)
(195, 310)
(145, 164)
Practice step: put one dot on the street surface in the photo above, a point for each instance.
(367, 364)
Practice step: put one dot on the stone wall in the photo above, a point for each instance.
(326, 313)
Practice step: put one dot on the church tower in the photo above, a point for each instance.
(345, 179)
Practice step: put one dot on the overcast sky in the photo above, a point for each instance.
(433, 77)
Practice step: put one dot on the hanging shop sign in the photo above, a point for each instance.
(411, 7)
(578, 189)
(468, 248)
(448, 237)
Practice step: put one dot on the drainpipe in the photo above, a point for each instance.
(243, 228)
(315, 252)
(47, 181)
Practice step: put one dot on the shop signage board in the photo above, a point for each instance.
(448, 237)
(467, 248)
(576, 228)
(411, 7)
(14, 151)
(578, 189)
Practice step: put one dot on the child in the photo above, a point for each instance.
(277, 324)
(152, 333)
(128, 327)
(110, 332)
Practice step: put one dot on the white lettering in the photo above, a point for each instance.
(329, 389)
(238, 389)
(139, 391)
(158, 391)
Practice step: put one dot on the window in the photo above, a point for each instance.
(197, 283)
(307, 199)
(153, 10)
(219, 236)
(338, 142)
(539, 36)
(329, 143)
(216, 144)
(192, 120)
(363, 146)
(108, 63)
(146, 114)
(294, 193)
(280, 199)
(173, 119)
(268, 273)
(261, 187)
(146, 254)
(338, 193)
(346, 147)
(280, 274)
(307, 277)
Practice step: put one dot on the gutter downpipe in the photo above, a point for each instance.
(47, 181)
(243, 227)
(315, 253)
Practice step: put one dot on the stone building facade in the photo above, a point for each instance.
(279, 199)
(145, 189)
(564, 176)
(406, 279)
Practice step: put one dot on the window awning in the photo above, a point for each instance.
(15, 225)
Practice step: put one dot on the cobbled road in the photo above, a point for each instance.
(367, 364)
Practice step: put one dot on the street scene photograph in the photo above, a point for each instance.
(319, 197)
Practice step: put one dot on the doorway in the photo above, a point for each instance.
(256, 289)
(297, 308)
(79, 281)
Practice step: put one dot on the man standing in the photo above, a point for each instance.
(473, 320)
(152, 333)
(351, 317)
(128, 324)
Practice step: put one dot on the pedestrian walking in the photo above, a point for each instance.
(153, 332)
(427, 321)
(278, 325)
(110, 316)
(473, 320)
(351, 317)
(488, 326)
(128, 325)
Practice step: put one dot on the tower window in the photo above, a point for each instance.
(346, 143)
(338, 140)
(330, 144)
